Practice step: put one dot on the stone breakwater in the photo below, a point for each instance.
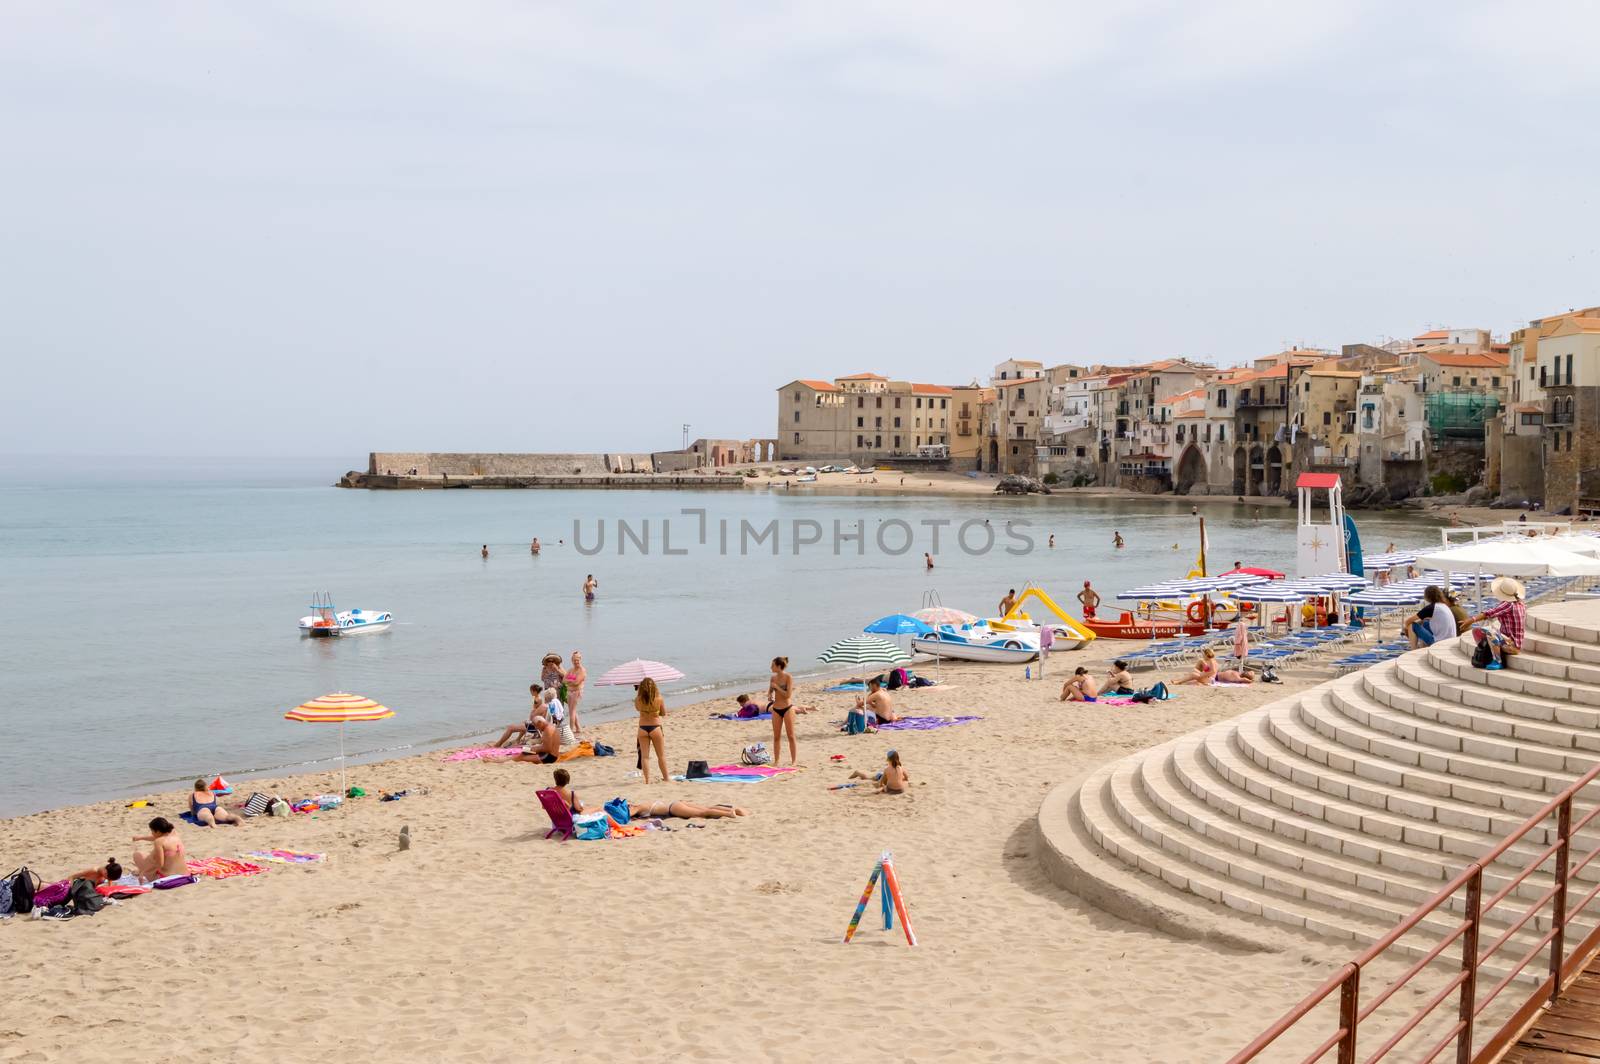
(400, 470)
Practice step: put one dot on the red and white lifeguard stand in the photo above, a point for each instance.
(1320, 543)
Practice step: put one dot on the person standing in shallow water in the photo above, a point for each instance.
(1116, 540)
(485, 551)
(590, 586)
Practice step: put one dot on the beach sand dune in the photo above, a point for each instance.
(485, 942)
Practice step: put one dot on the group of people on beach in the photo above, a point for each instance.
(553, 716)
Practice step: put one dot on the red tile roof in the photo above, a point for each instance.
(864, 377)
(1466, 361)
(931, 389)
(821, 386)
(1436, 334)
(1024, 380)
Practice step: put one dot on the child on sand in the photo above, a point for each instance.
(892, 780)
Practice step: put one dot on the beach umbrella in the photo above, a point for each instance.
(339, 708)
(637, 671)
(864, 650)
(898, 624)
(939, 615)
(1254, 570)
(1167, 590)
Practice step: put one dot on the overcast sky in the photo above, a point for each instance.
(273, 228)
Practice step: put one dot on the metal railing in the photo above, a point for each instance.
(1563, 962)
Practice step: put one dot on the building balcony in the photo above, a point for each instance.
(1247, 401)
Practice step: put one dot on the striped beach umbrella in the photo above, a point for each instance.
(1168, 590)
(637, 671)
(863, 650)
(339, 708)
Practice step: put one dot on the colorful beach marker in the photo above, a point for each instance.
(893, 902)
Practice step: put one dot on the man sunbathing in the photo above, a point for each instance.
(548, 746)
(878, 702)
(657, 807)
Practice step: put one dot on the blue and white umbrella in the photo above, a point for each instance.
(1341, 581)
(1272, 591)
(898, 624)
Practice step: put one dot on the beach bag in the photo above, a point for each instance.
(591, 826)
(256, 804)
(24, 884)
(278, 807)
(697, 770)
(83, 898)
(897, 679)
(5, 897)
(1481, 655)
(170, 882)
(617, 809)
(755, 754)
(855, 723)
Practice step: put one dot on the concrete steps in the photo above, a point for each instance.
(1336, 811)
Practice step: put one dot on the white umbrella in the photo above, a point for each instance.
(1513, 557)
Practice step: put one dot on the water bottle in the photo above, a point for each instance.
(1027, 672)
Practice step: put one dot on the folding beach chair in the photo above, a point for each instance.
(560, 816)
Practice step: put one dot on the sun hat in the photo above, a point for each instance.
(1504, 587)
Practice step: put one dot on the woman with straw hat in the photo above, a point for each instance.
(1513, 617)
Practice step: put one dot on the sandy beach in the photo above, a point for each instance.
(943, 483)
(485, 941)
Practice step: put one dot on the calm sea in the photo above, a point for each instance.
(149, 624)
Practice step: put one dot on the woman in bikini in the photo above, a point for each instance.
(651, 709)
(1205, 669)
(1119, 681)
(780, 692)
(166, 852)
(203, 807)
(683, 810)
(1080, 687)
(564, 791)
(575, 678)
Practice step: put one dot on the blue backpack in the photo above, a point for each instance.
(617, 809)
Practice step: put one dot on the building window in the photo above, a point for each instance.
(797, 417)
(861, 441)
(1455, 382)
(797, 397)
(896, 422)
(897, 443)
(943, 403)
(897, 402)
(878, 402)
(861, 401)
(1494, 382)
(1222, 434)
(1327, 417)
(877, 422)
(1222, 399)
(877, 441)
(919, 402)
(797, 437)
(1022, 393)
(1569, 381)
(1308, 387)
(861, 422)
(1080, 452)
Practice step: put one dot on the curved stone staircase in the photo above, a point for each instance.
(1338, 810)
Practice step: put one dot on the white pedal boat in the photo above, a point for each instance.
(325, 621)
(978, 644)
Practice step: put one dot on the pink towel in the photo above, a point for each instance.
(483, 753)
(748, 770)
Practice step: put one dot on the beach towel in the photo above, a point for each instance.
(222, 868)
(847, 687)
(735, 716)
(121, 890)
(284, 856)
(583, 749)
(483, 753)
(170, 882)
(736, 774)
(924, 723)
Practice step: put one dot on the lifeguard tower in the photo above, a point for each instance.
(1321, 541)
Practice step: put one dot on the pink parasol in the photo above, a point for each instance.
(636, 671)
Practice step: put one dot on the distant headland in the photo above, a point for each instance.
(419, 470)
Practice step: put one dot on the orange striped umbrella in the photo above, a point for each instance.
(339, 708)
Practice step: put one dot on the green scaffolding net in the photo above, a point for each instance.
(1460, 413)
